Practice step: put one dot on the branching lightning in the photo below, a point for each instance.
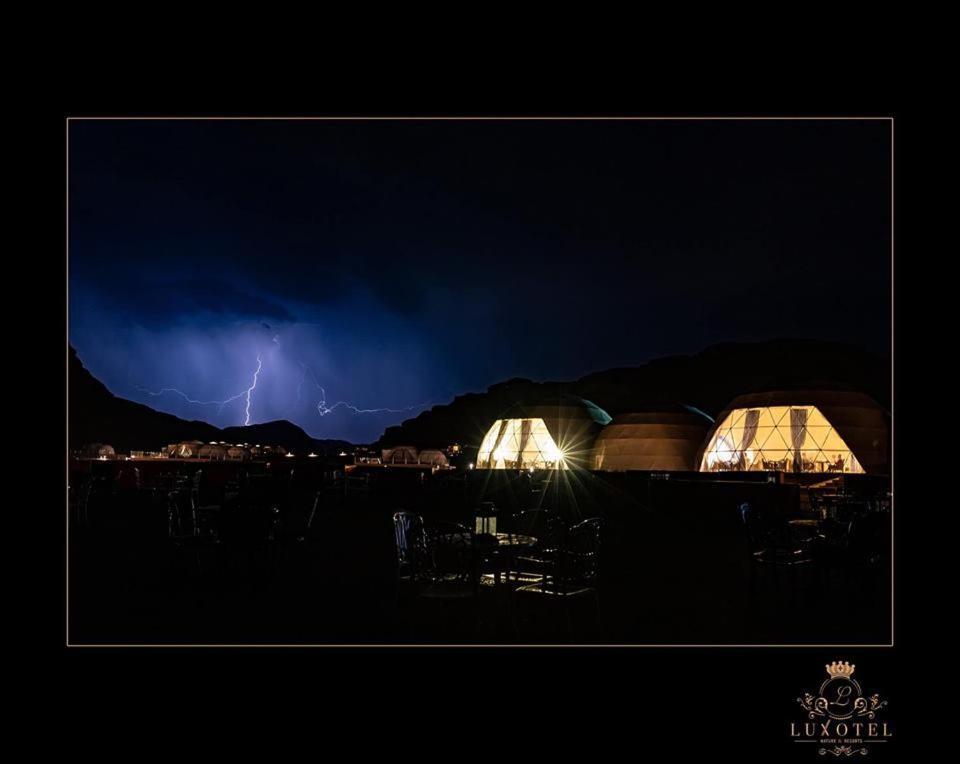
(323, 408)
(219, 404)
(188, 399)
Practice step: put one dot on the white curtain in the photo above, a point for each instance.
(524, 439)
(750, 421)
(503, 429)
(798, 434)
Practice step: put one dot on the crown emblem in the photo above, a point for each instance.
(840, 669)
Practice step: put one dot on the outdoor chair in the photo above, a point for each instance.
(569, 560)
(569, 563)
(188, 540)
(436, 577)
(781, 559)
(410, 546)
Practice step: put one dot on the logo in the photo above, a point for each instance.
(841, 719)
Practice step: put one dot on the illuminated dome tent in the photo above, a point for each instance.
(433, 457)
(187, 448)
(550, 434)
(659, 437)
(799, 431)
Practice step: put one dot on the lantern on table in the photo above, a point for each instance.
(486, 519)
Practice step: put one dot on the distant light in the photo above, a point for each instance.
(470, 466)
(289, 454)
(343, 453)
(312, 455)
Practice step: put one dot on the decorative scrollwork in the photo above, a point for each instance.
(868, 707)
(813, 705)
(843, 750)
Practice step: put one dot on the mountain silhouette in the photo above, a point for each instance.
(707, 380)
(98, 416)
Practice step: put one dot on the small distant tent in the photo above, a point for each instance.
(657, 437)
(238, 453)
(551, 433)
(802, 430)
(100, 450)
(434, 457)
(188, 448)
(212, 451)
(400, 455)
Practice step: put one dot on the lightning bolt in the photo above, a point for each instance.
(323, 409)
(219, 404)
(251, 389)
(187, 398)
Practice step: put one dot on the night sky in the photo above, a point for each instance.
(397, 264)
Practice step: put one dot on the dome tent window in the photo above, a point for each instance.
(808, 430)
(553, 433)
(519, 444)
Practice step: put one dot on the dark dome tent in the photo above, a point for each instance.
(550, 433)
(100, 451)
(212, 451)
(800, 430)
(401, 455)
(664, 436)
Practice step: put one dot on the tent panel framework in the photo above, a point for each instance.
(555, 432)
(663, 437)
(778, 438)
(400, 455)
(520, 444)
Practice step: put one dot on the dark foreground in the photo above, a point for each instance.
(677, 563)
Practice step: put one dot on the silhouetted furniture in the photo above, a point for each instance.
(784, 571)
(411, 547)
(772, 540)
(189, 541)
(499, 558)
(437, 577)
(568, 561)
(434, 554)
(453, 554)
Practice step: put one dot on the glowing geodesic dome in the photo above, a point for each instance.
(433, 457)
(554, 433)
(188, 448)
(827, 431)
